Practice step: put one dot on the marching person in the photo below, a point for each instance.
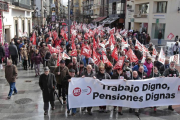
(89, 73)
(116, 75)
(24, 56)
(171, 72)
(66, 84)
(176, 48)
(140, 63)
(47, 83)
(60, 73)
(11, 75)
(102, 75)
(37, 60)
(148, 63)
(52, 63)
(2, 54)
(13, 52)
(141, 73)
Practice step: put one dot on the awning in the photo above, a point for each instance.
(109, 20)
(99, 19)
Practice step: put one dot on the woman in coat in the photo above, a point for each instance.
(37, 60)
(6, 47)
(24, 56)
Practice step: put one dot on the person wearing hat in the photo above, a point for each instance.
(138, 53)
(148, 63)
(176, 48)
(140, 63)
(65, 82)
(60, 73)
(127, 70)
(47, 83)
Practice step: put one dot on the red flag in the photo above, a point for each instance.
(59, 58)
(131, 56)
(95, 46)
(96, 58)
(105, 59)
(74, 51)
(112, 39)
(65, 56)
(112, 31)
(33, 38)
(86, 51)
(115, 54)
(52, 49)
(119, 63)
(55, 35)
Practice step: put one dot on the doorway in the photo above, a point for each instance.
(7, 35)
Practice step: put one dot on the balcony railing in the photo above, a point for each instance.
(140, 16)
(22, 3)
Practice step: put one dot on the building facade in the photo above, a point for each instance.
(17, 20)
(152, 16)
(88, 11)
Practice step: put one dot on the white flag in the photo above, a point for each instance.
(161, 56)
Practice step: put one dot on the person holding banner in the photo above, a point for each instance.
(148, 63)
(141, 73)
(140, 63)
(119, 74)
(89, 73)
(65, 82)
(102, 75)
(171, 72)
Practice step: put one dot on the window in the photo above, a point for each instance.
(156, 28)
(110, 8)
(144, 8)
(120, 8)
(161, 7)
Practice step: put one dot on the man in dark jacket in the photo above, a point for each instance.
(61, 72)
(10, 75)
(159, 38)
(141, 73)
(138, 53)
(66, 84)
(47, 83)
(13, 52)
(171, 72)
(164, 67)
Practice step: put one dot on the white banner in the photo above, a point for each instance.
(86, 92)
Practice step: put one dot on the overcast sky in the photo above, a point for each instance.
(65, 2)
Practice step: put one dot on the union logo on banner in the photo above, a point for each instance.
(170, 36)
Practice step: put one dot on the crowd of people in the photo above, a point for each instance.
(58, 70)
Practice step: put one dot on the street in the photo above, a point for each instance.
(28, 104)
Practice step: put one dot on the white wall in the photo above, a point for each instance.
(171, 18)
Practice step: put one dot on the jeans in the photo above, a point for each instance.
(73, 109)
(159, 41)
(12, 88)
(46, 105)
(37, 68)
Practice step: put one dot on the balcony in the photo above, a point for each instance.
(141, 16)
(22, 3)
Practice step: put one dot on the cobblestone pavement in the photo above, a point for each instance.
(28, 105)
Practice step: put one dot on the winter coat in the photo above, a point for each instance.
(138, 54)
(6, 47)
(11, 73)
(101, 76)
(149, 67)
(163, 68)
(136, 68)
(84, 61)
(66, 83)
(117, 76)
(30, 53)
(52, 64)
(43, 51)
(155, 75)
(169, 73)
(176, 48)
(2, 53)
(13, 50)
(46, 83)
(24, 53)
(142, 75)
(37, 59)
(92, 74)
(63, 73)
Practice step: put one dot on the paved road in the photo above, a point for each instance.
(28, 91)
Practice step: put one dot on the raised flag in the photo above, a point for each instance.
(119, 63)
(161, 56)
(131, 56)
(52, 49)
(115, 54)
(175, 58)
(65, 56)
(96, 58)
(33, 38)
(86, 51)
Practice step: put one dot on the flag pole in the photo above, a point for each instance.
(132, 71)
(153, 69)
